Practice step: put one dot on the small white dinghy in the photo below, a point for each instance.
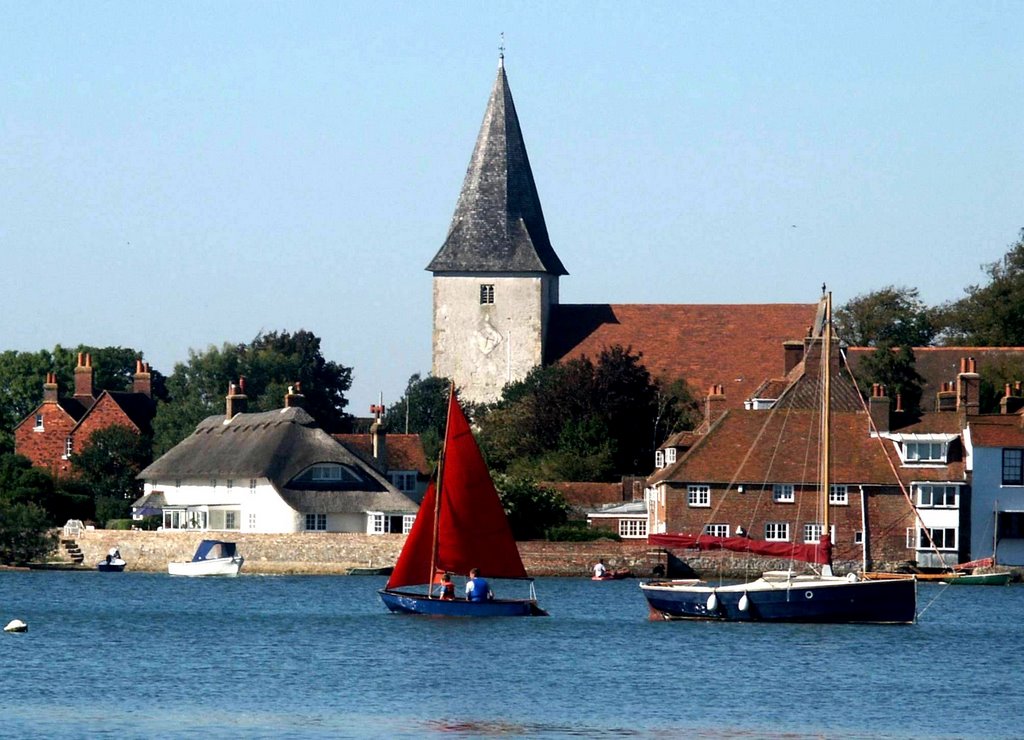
(16, 625)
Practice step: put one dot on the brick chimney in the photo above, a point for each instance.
(878, 406)
(294, 398)
(792, 354)
(50, 388)
(714, 404)
(968, 384)
(236, 401)
(83, 378)
(142, 381)
(945, 399)
(1012, 401)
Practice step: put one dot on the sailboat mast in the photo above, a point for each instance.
(440, 490)
(826, 421)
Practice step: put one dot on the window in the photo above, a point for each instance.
(486, 293)
(407, 521)
(230, 520)
(252, 521)
(177, 483)
(858, 537)
(252, 485)
(659, 459)
(943, 537)
(1012, 474)
(838, 495)
(39, 423)
(632, 528)
(716, 530)
(812, 534)
(1011, 525)
(231, 484)
(213, 483)
(326, 475)
(377, 523)
(934, 452)
(316, 522)
(776, 531)
(782, 493)
(68, 447)
(945, 497)
(698, 496)
(404, 481)
(670, 455)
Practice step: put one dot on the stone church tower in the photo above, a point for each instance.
(496, 275)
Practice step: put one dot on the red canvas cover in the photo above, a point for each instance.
(820, 553)
(472, 530)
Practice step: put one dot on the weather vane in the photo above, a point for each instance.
(501, 46)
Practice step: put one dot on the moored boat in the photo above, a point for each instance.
(112, 563)
(212, 558)
(461, 526)
(785, 596)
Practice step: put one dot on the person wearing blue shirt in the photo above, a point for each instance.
(477, 588)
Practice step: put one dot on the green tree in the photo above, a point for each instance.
(25, 534)
(892, 316)
(423, 410)
(531, 509)
(107, 468)
(270, 364)
(992, 314)
(894, 368)
(996, 373)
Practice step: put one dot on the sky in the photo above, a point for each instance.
(180, 175)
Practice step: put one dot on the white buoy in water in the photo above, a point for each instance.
(713, 602)
(744, 603)
(16, 625)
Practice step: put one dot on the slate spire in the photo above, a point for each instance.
(498, 224)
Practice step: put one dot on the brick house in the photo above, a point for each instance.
(756, 468)
(400, 457)
(60, 426)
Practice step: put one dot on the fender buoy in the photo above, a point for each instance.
(744, 603)
(712, 602)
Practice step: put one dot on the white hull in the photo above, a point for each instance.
(212, 567)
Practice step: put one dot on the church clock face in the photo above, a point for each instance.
(487, 338)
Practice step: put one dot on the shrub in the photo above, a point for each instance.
(576, 533)
(119, 524)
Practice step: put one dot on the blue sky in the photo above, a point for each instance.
(177, 175)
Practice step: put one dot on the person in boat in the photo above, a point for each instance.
(599, 570)
(113, 554)
(477, 588)
(446, 589)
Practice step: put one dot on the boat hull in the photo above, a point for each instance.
(211, 567)
(801, 599)
(115, 566)
(982, 579)
(405, 602)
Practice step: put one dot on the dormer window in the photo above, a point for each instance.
(924, 449)
(486, 294)
(327, 475)
(659, 459)
(670, 455)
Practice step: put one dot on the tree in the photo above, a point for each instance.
(992, 314)
(531, 509)
(270, 364)
(25, 534)
(107, 467)
(892, 316)
(422, 410)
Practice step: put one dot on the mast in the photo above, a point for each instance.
(826, 423)
(439, 493)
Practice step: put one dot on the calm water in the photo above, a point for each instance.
(142, 655)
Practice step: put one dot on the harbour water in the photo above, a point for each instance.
(148, 655)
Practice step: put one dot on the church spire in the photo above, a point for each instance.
(498, 224)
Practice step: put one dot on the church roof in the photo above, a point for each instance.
(498, 224)
(737, 345)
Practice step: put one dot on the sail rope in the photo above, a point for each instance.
(892, 466)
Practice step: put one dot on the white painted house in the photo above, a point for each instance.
(269, 472)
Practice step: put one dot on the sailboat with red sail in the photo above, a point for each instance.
(461, 525)
(785, 596)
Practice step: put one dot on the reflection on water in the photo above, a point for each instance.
(134, 655)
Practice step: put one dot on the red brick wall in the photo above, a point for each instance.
(105, 413)
(888, 516)
(46, 448)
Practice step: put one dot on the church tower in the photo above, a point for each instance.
(496, 275)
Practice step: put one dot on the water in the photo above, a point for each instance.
(144, 655)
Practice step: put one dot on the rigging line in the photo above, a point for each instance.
(892, 466)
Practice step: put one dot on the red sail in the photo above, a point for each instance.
(472, 530)
(820, 552)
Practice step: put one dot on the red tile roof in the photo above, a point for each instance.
(404, 451)
(996, 431)
(737, 346)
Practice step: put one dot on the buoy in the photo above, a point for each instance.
(713, 602)
(16, 625)
(744, 603)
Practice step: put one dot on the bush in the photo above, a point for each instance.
(576, 533)
(119, 524)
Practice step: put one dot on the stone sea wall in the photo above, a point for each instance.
(335, 553)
